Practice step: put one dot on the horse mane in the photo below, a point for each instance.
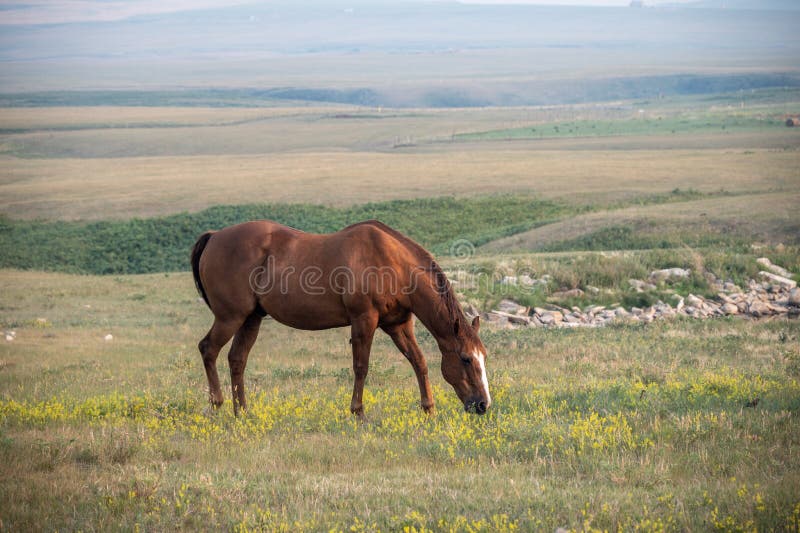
(442, 284)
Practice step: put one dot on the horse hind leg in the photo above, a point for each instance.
(362, 330)
(237, 358)
(219, 334)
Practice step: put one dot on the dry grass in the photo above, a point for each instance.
(84, 163)
(121, 188)
(65, 118)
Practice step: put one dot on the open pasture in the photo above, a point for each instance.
(95, 163)
(673, 426)
(682, 425)
(540, 140)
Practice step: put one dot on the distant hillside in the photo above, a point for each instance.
(476, 94)
(425, 53)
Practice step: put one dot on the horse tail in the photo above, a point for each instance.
(197, 251)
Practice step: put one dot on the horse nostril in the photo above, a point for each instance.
(480, 407)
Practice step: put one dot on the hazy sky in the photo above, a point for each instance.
(617, 3)
(60, 11)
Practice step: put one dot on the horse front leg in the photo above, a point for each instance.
(406, 342)
(362, 332)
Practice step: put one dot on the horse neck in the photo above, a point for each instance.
(429, 308)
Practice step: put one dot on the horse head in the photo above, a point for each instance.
(464, 366)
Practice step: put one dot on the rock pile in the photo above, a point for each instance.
(775, 294)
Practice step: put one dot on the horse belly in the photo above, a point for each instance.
(310, 315)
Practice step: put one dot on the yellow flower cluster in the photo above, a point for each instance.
(413, 522)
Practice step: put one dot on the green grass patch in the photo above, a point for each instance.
(645, 125)
(445, 225)
(162, 244)
(648, 235)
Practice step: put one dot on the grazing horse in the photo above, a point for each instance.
(366, 276)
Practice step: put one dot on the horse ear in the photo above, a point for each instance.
(456, 326)
(476, 323)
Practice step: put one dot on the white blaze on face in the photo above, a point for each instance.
(481, 358)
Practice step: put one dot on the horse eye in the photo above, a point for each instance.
(466, 360)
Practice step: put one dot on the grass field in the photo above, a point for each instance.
(626, 427)
(678, 425)
(112, 162)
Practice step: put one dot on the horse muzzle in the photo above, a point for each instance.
(476, 406)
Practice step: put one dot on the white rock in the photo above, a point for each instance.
(725, 298)
(730, 309)
(496, 318)
(9, 337)
(575, 325)
(758, 308)
(514, 319)
(694, 301)
(780, 280)
(729, 286)
(512, 307)
(669, 273)
(109, 337)
(778, 309)
(794, 297)
(772, 267)
(572, 293)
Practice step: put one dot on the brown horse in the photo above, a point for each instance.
(366, 276)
